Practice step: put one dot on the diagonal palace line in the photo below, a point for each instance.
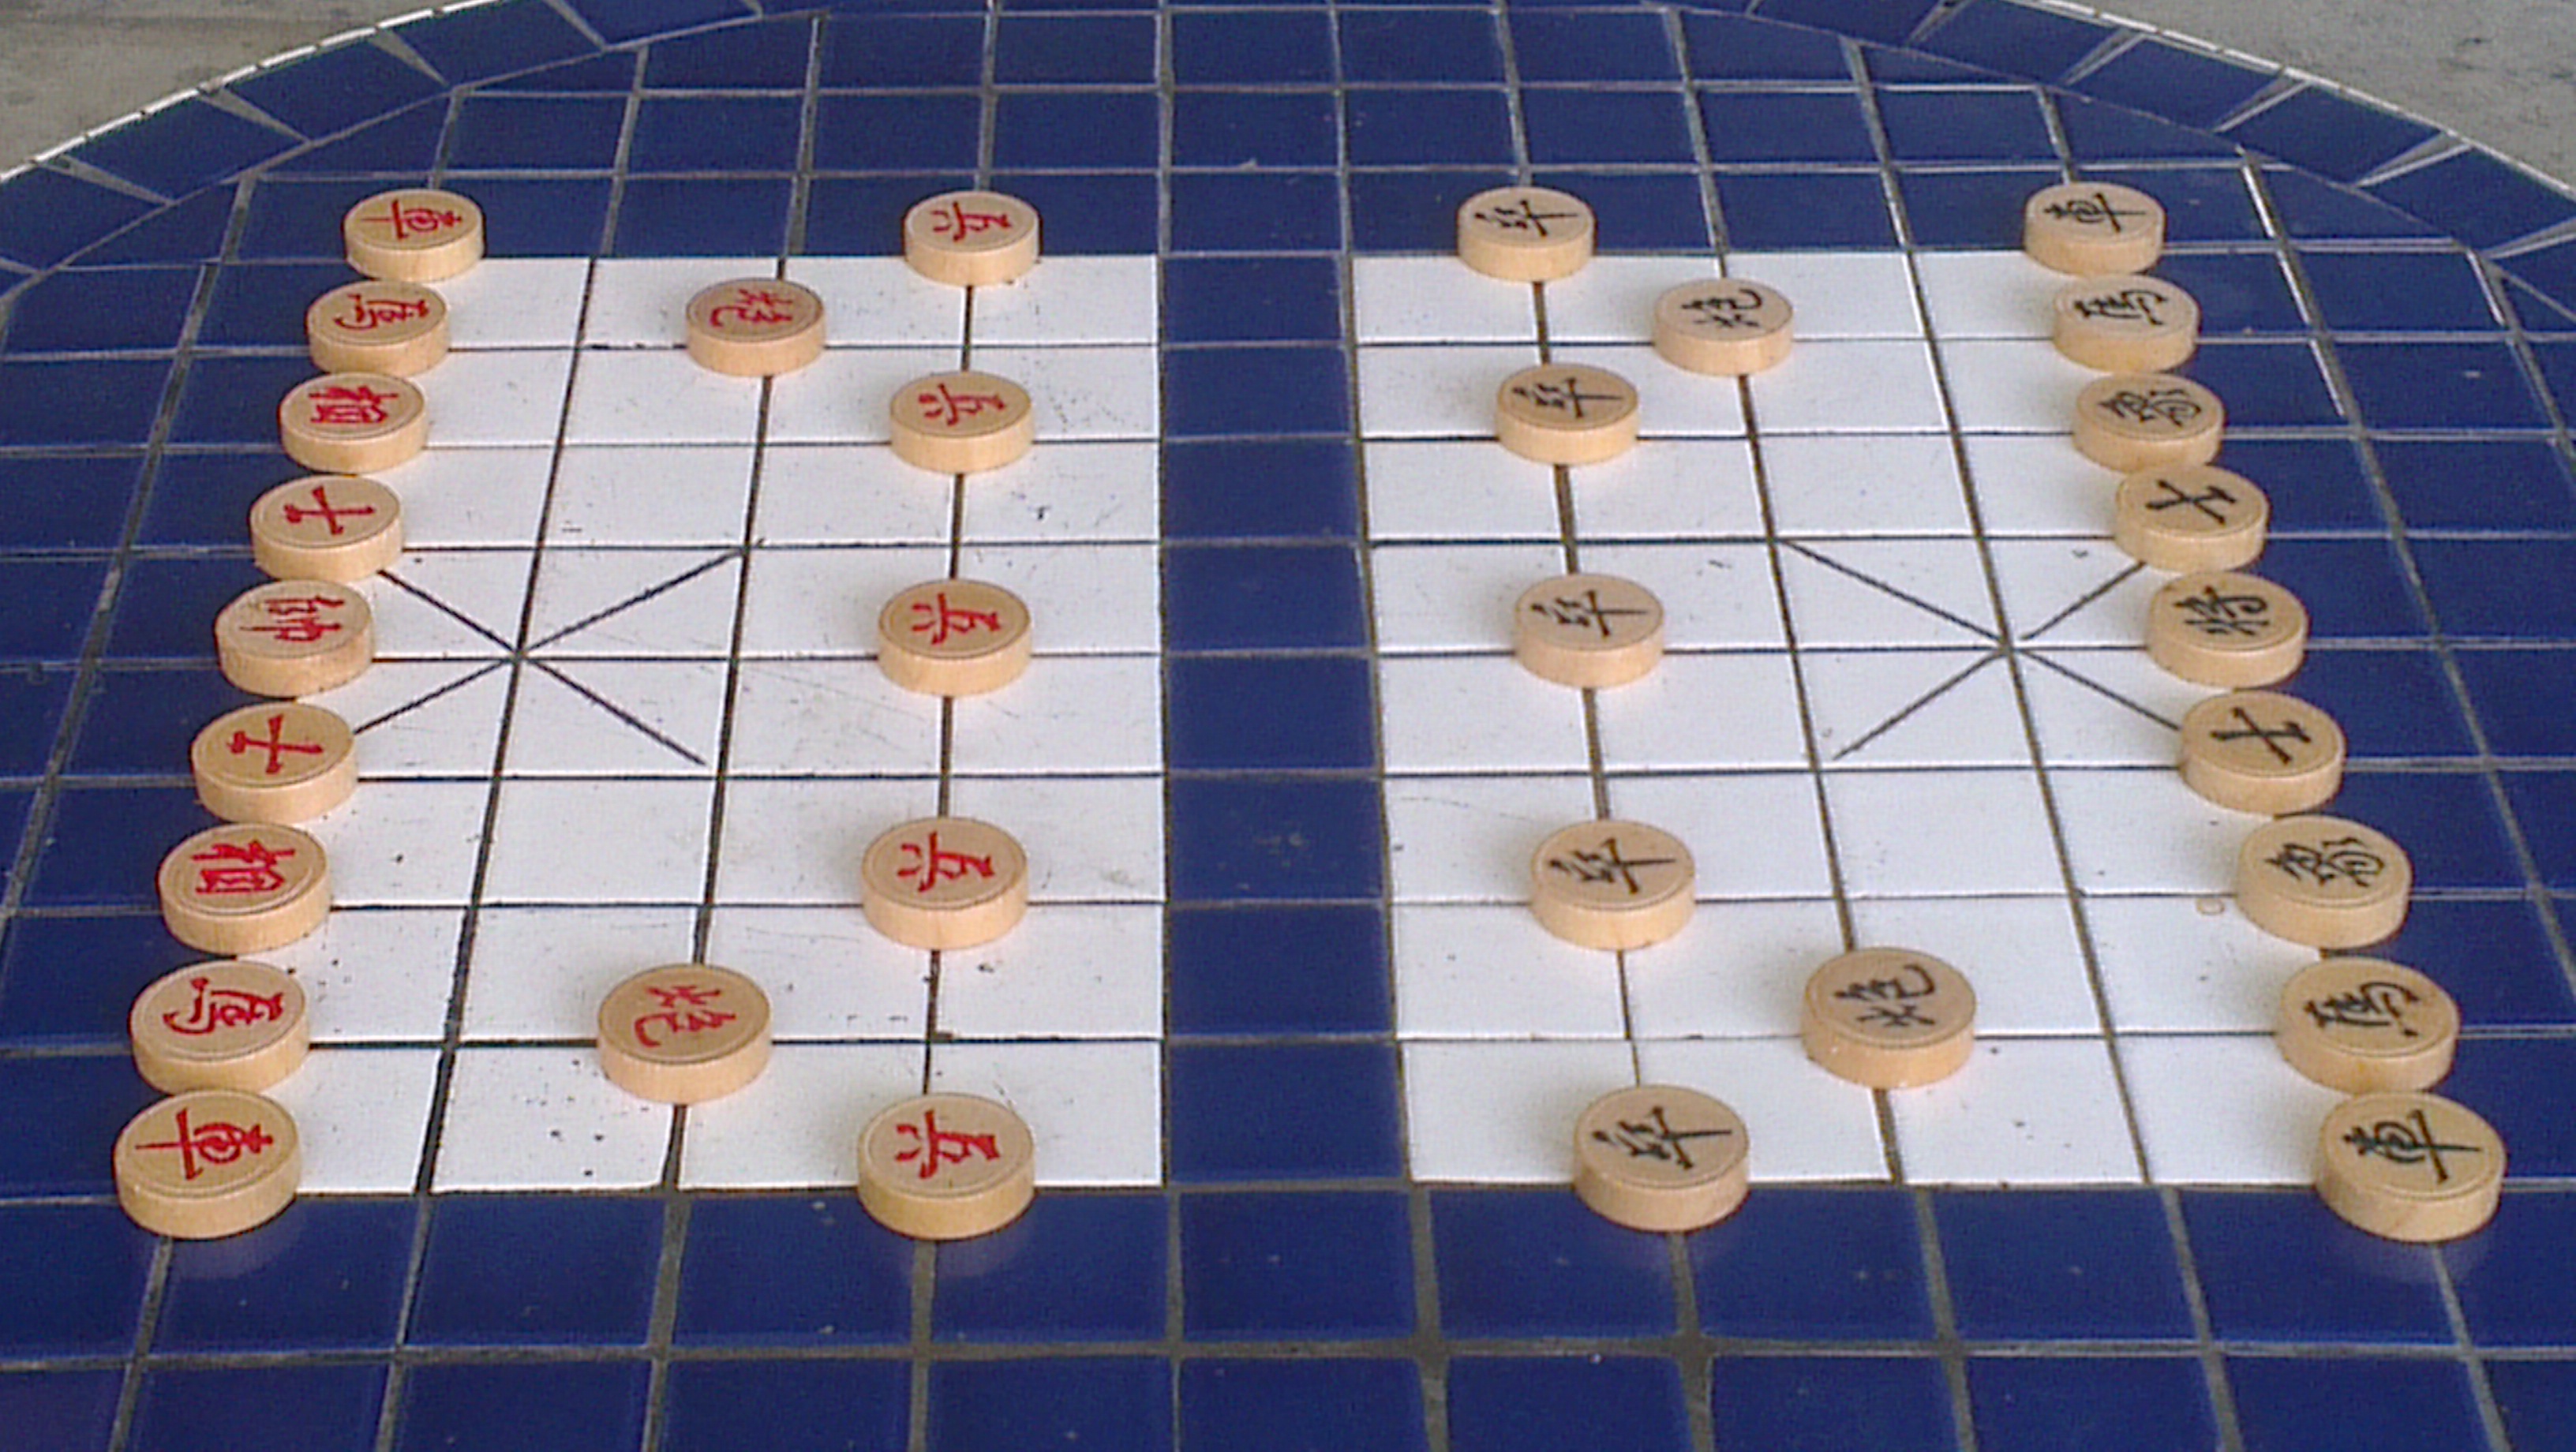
(727, 556)
(1884, 588)
(2087, 598)
(1926, 699)
(450, 611)
(2097, 688)
(620, 712)
(414, 704)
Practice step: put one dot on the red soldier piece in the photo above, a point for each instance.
(944, 882)
(946, 1166)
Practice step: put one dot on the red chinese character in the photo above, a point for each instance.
(245, 870)
(329, 513)
(941, 620)
(346, 405)
(406, 222)
(366, 314)
(933, 1146)
(754, 307)
(936, 866)
(298, 621)
(218, 1143)
(685, 1010)
(216, 1009)
(946, 407)
(954, 221)
(275, 744)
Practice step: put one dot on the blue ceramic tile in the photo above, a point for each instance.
(1888, 21)
(2537, 1400)
(2190, 87)
(177, 150)
(1967, 208)
(71, 980)
(1252, 300)
(2448, 822)
(1542, 1404)
(536, 133)
(2558, 371)
(2277, 1266)
(2440, 386)
(904, 50)
(62, 1411)
(2552, 272)
(1890, 66)
(2202, 204)
(716, 134)
(2526, 699)
(202, 498)
(557, 218)
(233, 400)
(2526, 1088)
(2495, 958)
(1250, 212)
(1789, 210)
(48, 606)
(1298, 1406)
(221, 1409)
(2333, 136)
(1281, 1111)
(1794, 126)
(1095, 129)
(189, 231)
(492, 40)
(75, 1276)
(1254, 128)
(1253, 47)
(1528, 1263)
(1274, 840)
(624, 20)
(2512, 589)
(2392, 704)
(2355, 589)
(140, 723)
(1420, 45)
(1831, 1403)
(1074, 1268)
(46, 216)
(2137, 1404)
(100, 402)
(1310, 1266)
(1814, 1264)
(1592, 46)
(2016, 39)
(1404, 211)
(2502, 485)
(799, 1406)
(1290, 488)
(31, 712)
(1097, 1404)
(2266, 385)
(2514, 1278)
(1091, 50)
(862, 216)
(1966, 126)
(693, 218)
(2097, 134)
(340, 88)
(1428, 128)
(2316, 486)
(2399, 292)
(1232, 713)
(301, 219)
(1089, 213)
(1640, 211)
(2544, 803)
(262, 305)
(1273, 970)
(1261, 392)
(596, 75)
(766, 57)
(1736, 48)
(537, 1270)
(403, 148)
(119, 309)
(2238, 292)
(326, 1275)
(2373, 1404)
(1585, 127)
(2312, 209)
(2482, 200)
(2068, 1265)
(59, 501)
(791, 1270)
(562, 1406)
(83, 1103)
(1270, 597)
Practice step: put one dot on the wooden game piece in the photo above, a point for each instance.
(1611, 884)
(2323, 881)
(336, 527)
(2261, 751)
(755, 327)
(947, 1167)
(1588, 630)
(278, 762)
(2367, 1026)
(394, 328)
(1660, 1158)
(208, 1163)
(944, 882)
(1566, 413)
(1525, 234)
(295, 638)
(1889, 1018)
(953, 638)
(684, 1033)
(413, 235)
(244, 888)
(2410, 1167)
(961, 423)
(2190, 517)
(1724, 326)
(2226, 629)
(2125, 323)
(971, 239)
(2093, 229)
(227, 1025)
(353, 423)
(2134, 421)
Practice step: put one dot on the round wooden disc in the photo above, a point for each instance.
(1889, 1018)
(944, 882)
(394, 328)
(1525, 234)
(1723, 326)
(2226, 629)
(684, 1033)
(1612, 884)
(244, 888)
(208, 1163)
(2190, 517)
(2125, 323)
(336, 527)
(1661, 1158)
(277, 763)
(295, 638)
(2412, 1167)
(2366, 1025)
(1566, 413)
(225, 1025)
(953, 638)
(947, 1167)
(353, 423)
(971, 239)
(2134, 421)
(2261, 751)
(1588, 630)
(413, 235)
(755, 327)
(2323, 881)
(2092, 229)
(961, 423)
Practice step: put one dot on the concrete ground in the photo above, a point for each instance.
(2498, 71)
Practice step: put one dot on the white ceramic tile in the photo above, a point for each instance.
(516, 302)
(2144, 831)
(1469, 839)
(403, 843)
(1670, 489)
(662, 397)
(1068, 713)
(1479, 713)
(1914, 708)
(843, 398)
(849, 494)
(2005, 387)
(2106, 707)
(1449, 597)
(1837, 484)
(498, 399)
(2022, 954)
(617, 718)
(1670, 403)
(798, 1123)
(1838, 294)
(1086, 392)
(2074, 592)
(1072, 300)
(820, 602)
(374, 975)
(1089, 839)
(2022, 1112)
(1082, 599)
(1801, 1122)
(643, 302)
(836, 717)
(361, 1117)
(1433, 392)
(2224, 1110)
(1437, 300)
(2188, 964)
(1498, 1112)
(663, 495)
(1065, 493)
(1064, 973)
(881, 300)
(1612, 300)
(828, 974)
(1751, 834)
(471, 496)
(2038, 485)
(1439, 490)
(1716, 596)
(635, 603)
(540, 973)
(793, 841)
(1937, 833)
(1869, 593)
(1850, 385)
(1698, 712)
(423, 718)
(611, 841)
(1486, 972)
(546, 1119)
(1736, 971)
(449, 604)
(1095, 1109)
(2001, 294)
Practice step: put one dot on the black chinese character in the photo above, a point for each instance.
(1604, 866)
(2407, 1141)
(2097, 210)
(1893, 1000)
(1523, 216)
(2377, 1004)
(1583, 612)
(2337, 859)
(2270, 736)
(1654, 1139)
(2175, 498)
(2212, 613)
(2129, 305)
(1566, 397)
(2172, 407)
